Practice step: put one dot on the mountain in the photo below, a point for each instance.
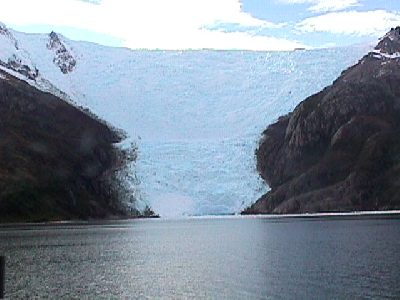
(339, 149)
(194, 115)
(56, 161)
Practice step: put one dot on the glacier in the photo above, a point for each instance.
(196, 116)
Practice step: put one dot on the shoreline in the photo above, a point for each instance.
(331, 215)
(110, 221)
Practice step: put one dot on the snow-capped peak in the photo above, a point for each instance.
(390, 43)
(7, 34)
(14, 58)
(63, 57)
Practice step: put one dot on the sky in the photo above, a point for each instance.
(207, 24)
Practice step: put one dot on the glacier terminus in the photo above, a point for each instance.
(196, 116)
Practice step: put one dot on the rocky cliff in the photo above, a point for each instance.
(62, 56)
(56, 161)
(339, 150)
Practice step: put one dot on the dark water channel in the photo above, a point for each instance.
(206, 258)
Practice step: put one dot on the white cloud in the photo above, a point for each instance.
(373, 23)
(319, 6)
(172, 24)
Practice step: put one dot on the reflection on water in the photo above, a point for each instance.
(220, 258)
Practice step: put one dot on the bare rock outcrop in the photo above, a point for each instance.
(18, 61)
(339, 149)
(63, 58)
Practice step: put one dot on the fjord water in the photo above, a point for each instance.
(206, 258)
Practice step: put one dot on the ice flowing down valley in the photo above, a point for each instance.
(196, 116)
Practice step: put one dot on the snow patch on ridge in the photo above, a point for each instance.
(379, 55)
(14, 58)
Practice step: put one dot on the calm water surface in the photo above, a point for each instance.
(206, 258)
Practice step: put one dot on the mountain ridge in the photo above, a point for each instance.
(337, 150)
(194, 115)
(57, 163)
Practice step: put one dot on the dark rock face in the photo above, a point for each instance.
(62, 57)
(15, 63)
(390, 43)
(339, 150)
(55, 160)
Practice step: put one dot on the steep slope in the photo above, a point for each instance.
(56, 162)
(14, 58)
(195, 115)
(339, 149)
